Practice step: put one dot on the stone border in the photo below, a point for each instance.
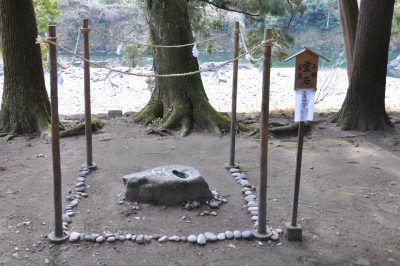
(201, 239)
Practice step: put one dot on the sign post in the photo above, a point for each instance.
(305, 86)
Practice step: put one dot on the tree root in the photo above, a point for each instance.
(5, 137)
(79, 129)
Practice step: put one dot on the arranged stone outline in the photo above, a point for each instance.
(201, 239)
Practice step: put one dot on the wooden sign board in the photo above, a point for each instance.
(306, 69)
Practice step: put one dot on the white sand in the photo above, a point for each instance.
(130, 93)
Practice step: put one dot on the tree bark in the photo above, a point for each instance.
(349, 17)
(25, 105)
(179, 101)
(364, 106)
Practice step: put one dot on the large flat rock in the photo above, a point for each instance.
(166, 185)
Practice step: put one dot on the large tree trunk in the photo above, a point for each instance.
(179, 101)
(349, 17)
(25, 105)
(364, 106)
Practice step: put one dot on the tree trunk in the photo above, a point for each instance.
(25, 105)
(349, 17)
(179, 101)
(364, 106)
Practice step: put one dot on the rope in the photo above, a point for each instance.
(157, 46)
(245, 48)
(74, 55)
(40, 39)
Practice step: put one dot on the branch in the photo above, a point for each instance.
(230, 9)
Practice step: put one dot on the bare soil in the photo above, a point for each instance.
(349, 199)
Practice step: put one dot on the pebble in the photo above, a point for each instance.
(234, 170)
(196, 204)
(240, 177)
(66, 218)
(116, 236)
(140, 239)
(279, 231)
(133, 238)
(111, 239)
(74, 236)
(253, 188)
(184, 239)
(80, 184)
(252, 204)
(214, 204)
(274, 236)
(88, 238)
(192, 239)
(128, 236)
(244, 190)
(229, 234)
(210, 237)
(80, 179)
(246, 183)
(122, 238)
(205, 213)
(213, 213)
(247, 235)
(254, 218)
(250, 209)
(254, 213)
(250, 198)
(174, 238)
(248, 193)
(147, 238)
(221, 236)
(163, 239)
(82, 236)
(80, 189)
(237, 234)
(188, 206)
(201, 239)
(100, 239)
(94, 236)
(236, 174)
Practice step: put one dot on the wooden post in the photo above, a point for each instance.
(262, 232)
(88, 116)
(234, 96)
(58, 236)
(305, 84)
(298, 172)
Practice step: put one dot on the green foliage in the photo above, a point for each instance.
(396, 19)
(131, 54)
(46, 10)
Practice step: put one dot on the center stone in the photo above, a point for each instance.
(166, 185)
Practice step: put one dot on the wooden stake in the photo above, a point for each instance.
(261, 232)
(58, 235)
(88, 116)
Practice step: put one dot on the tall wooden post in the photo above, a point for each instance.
(58, 236)
(88, 116)
(261, 232)
(305, 85)
(234, 96)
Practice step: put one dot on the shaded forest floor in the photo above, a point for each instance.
(349, 198)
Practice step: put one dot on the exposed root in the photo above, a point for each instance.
(8, 136)
(187, 126)
(79, 129)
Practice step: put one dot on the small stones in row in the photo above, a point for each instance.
(200, 239)
(74, 199)
(247, 191)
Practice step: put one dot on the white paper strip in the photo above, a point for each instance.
(304, 105)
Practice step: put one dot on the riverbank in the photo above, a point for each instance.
(114, 91)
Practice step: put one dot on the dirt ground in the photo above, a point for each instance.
(349, 199)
